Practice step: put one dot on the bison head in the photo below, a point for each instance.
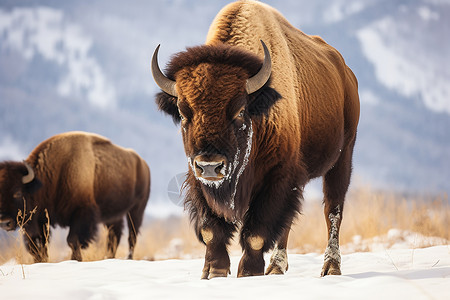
(216, 92)
(17, 183)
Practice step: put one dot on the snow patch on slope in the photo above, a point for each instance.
(400, 64)
(10, 150)
(339, 10)
(393, 239)
(367, 96)
(427, 14)
(44, 31)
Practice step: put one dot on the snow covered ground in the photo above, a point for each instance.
(389, 274)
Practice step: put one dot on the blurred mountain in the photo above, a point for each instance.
(85, 65)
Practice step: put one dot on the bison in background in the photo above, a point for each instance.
(255, 132)
(75, 180)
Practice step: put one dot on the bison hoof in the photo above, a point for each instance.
(331, 267)
(76, 255)
(213, 273)
(274, 269)
(278, 262)
(251, 266)
(245, 273)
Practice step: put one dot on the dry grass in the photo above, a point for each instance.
(367, 215)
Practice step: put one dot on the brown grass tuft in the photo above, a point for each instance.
(369, 214)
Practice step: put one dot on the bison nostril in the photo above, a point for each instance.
(219, 168)
(199, 167)
(209, 168)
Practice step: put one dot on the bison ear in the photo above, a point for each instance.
(168, 104)
(262, 100)
(32, 186)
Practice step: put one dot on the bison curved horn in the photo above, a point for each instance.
(30, 176)
(259, 80)
(161, 80)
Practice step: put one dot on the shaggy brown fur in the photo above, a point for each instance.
(85, 180)
(301, 124)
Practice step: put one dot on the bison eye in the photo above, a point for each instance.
(182, 117)
(184, 111)
(18, 195)
(240, 114)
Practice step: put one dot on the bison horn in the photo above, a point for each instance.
(30, 176)
(259, 80)
(161, 80)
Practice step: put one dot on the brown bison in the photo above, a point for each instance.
(85, 180)
(256, 131)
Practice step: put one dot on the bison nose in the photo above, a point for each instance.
(211, 170)
(6, 223)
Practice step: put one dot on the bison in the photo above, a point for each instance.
(255, 131)
(74, 180)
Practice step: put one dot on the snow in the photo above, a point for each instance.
(367, 96)
(44, 31)
(339, 10)
(394, 239)
(427, 14)
(165, 209)
(388, 274)
(390, 45)
(10, 149)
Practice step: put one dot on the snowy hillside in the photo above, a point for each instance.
(83, 65)
(389, 274)
(408, 65)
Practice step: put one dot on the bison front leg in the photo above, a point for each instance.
(75, 246)
(252, 261)
(267, 221)
(37, 247)
(279, 261)
(83, 227)
(216, 233)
